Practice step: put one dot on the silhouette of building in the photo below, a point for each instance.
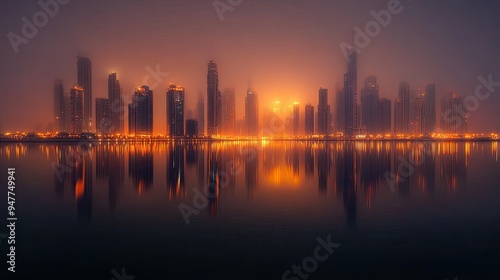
(370, 105)
(323, 112)
(175, 110)
(309, 119)
(296, 118)
(453, 114)
(350, 94)
(102, 116)
(116, 105)
(429, 102)
(200, 112)
(76, 108)
(252, 113)
(59, 107)
(402, 109)
(228, 112)
(192, 128)
(213, 100)
(340, 110)
(140, 112)
(84, 70)
(385, 116)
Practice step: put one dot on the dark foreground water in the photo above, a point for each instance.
(394, 210)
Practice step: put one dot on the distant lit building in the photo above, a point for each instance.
(200, 111)
(228, 112)
(370, 105)
(296, 118)
(350, 97)
(102, 116)
(76, 108)
(402, 109)
(309, 119)
(141, 112)
(385, 116)
(214, 116)
(429, 104)
(453, 114)
(252, 113)
(340, 110)
(175, 110)
(59, 107)
(84, 73)
(192, 128)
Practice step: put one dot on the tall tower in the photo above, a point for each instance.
(141, 112)
(213, 100)
(252, 113)
(76, 107)
(59, 106)
(350, 94)
(323, 112)
(402, 109)
(296, 118)
(228, 111)
(116, 105)
(102, 117)
(430, 108)
(370, 104)
(175, 110)
(385, 116)
(84, 70)
(309, 119)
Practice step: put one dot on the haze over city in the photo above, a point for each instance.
(285, 50)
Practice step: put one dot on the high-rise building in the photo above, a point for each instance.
(370, 105)
(252, 113)
(200, 111)
(430, 109)
(76, 108)
(309, 119)
(402, 109)
(214, 116)
(323, 112)
(141, 112)
(116, 105)
(453, 114)
(192, 128)
(296, 118)
(419, 113)
(350, 94)
(175, 110)
(59, 106)
(102, 116)
(84, 69)
(340, 110)
(385, 116)
(228, 112)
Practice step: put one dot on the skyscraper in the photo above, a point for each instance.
(59, 106)
(402, 109)
(430, 108)
(351, 96)
(76, 108)
(385, 116)
(84, 69)
(453, 114)
(370, 105)
(116, 105)
(340, 110)
(200, 113)
(309, 119)
(102, 116)
(213, 100)
(141, 112)
(228, 112)
(192, 128)
(323, 112)
(252, 113)
(175, 110)
(296, 118)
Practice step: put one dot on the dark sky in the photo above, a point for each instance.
(286, 49)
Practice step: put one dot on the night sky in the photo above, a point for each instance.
(285, 49)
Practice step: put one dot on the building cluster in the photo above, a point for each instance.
(411, 113)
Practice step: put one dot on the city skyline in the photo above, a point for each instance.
(276, 68)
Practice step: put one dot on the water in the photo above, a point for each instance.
(86, 210)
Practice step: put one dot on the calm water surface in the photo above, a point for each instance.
(87, 209)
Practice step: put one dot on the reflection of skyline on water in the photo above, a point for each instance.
(340, 169)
